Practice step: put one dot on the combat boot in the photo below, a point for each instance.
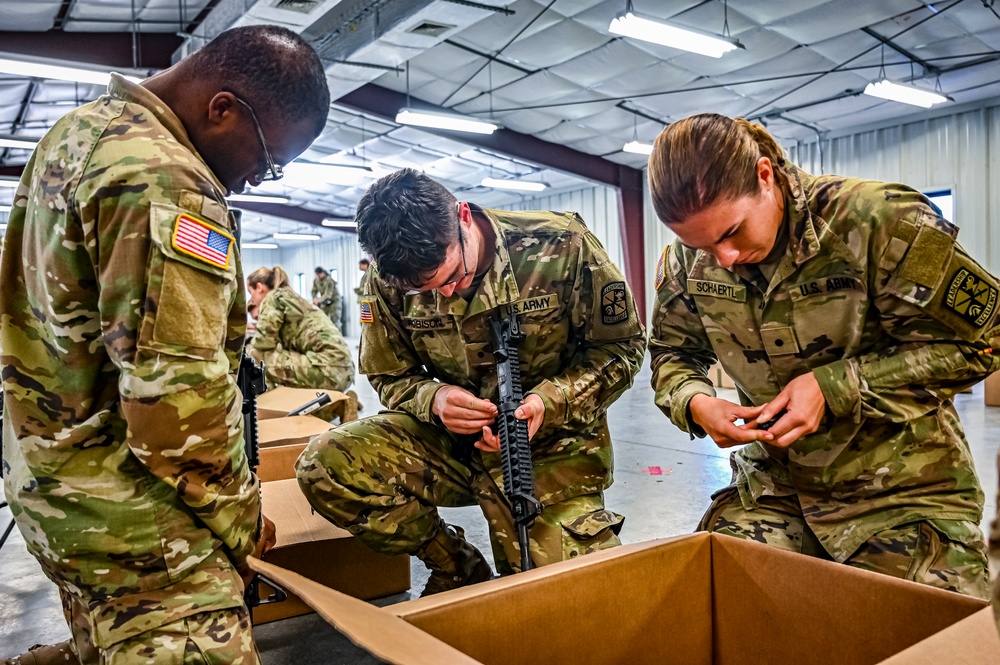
(48, 654)
(453, 562)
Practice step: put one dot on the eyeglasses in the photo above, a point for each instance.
(273, 172)
(461, 244)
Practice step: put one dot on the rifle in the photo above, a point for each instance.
(250, 381)
(322, 399)
(515, 450)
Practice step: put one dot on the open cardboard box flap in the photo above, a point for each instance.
(379, 632)
(701, 599)
(299, 524)
(972, 641)
(278, 402)
(290, 430)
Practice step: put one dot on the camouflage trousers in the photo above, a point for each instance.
(383, 477)
(947, 554)
(301, 370)
(220, 637)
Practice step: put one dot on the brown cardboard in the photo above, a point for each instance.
(991, 392)
(972, 641)
(719, 377)
(311, 546)
(694, 600)
(281, 441)
(278, 402)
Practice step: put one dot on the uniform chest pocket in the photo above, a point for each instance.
(828, 314)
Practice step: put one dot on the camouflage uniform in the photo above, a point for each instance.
(325, 290)
(876, 298)
(123, 439)
(995, 559)
(299, 346)
(382, 477)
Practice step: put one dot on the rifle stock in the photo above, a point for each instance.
(515, 448)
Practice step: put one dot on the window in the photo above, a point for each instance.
(944, 200)
(300, 285)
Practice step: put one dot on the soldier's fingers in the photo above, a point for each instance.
(791, 436)
(490, 442)
(748, 413)
(462, 413)
(739, 435)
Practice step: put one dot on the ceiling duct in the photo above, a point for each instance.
(358, 40)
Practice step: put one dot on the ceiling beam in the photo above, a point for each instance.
(111, 49)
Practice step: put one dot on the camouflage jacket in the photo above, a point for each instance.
(287, 321)
(877, 299)
(123, 442)
(583, 343)
(325, 289)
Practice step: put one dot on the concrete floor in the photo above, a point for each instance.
(654, 505)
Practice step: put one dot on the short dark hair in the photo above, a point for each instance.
(271, 67)
(406, 222)
(320, 269)
(364, 261)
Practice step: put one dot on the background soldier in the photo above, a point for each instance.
(326, 296)
(429, 356)
(123, 319)
(298, 344)
(847, 308)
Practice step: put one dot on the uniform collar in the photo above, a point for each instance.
(127, 91)
(803, 241)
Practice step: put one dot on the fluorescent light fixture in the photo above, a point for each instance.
(340, 223)
(8, 183)
(516, 185)
(652, 30)
(316, 175)
(20, 144)
(906, 94)
(296, 236)
(638, 147)
(259, 245)
(458, 123)
(58, 72)
(257, 198)
(5, 208)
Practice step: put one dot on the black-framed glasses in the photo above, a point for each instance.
(461, 245)
(274, 171)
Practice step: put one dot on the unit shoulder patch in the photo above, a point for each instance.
(661, 269)
(203, 241)
(970, 297)
(614, 303)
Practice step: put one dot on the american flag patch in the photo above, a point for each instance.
(366, 312)
(661, 269)
(202, 241)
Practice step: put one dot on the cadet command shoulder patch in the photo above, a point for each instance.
(366, 312)
(661, 271)
(971, 297)
(614, 306)
(201, 241)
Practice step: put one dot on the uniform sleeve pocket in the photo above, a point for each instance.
(192, 278)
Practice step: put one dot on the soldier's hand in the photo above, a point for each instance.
(804, 404)
(315, 301)
(718, 418)
(532, 409)
(461, 411)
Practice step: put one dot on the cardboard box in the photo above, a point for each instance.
(281, 441)
(719, 377)
(702, 599)
(991, 393)
(319, 551)
(278, 402)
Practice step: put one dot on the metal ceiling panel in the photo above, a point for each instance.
(568, 132)
(529, 122)
(604, 63)
(837, 18)
(537, 88)
(30, 16)
(661, 76)
(493, 32)
(763, 13)
(554, 45)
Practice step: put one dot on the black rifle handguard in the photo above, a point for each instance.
(515, 449)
